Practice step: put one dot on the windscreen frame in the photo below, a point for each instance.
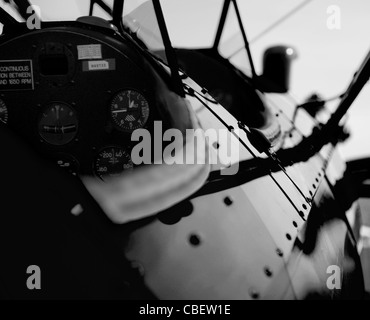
(220, 29)
(117, 14)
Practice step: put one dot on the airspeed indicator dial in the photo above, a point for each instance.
(111, 162)
(129, 110)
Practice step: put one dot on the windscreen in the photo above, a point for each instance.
(193, 24)
(138, 15)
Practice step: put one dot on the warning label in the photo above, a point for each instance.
(16, 75)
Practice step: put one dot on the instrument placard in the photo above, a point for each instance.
(16, 75)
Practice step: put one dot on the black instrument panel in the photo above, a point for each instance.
(79, 97)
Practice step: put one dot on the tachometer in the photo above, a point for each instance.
(129, 110)
(3, 112)
(111, 162)
(58, 124)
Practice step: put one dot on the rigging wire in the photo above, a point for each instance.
(199, 97)
(274, 25)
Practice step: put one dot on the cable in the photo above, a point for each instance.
(281, 20)
(274, 25)
(195, 94)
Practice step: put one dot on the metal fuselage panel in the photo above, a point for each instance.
(261, 239)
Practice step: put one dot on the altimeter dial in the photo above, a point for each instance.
(129, 110)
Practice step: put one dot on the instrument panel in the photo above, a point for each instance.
(86, 94)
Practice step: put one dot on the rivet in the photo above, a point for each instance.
(304, 206)
(225, 165)
(288, 236)
(311, 194)
(268, 271)
(279, 252)
(314, 186)
(254, 294)
(216, 145)
(317, 180)
(228, 201)
(295, 224)
(194, 240)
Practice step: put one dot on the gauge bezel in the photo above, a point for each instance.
(143, 93)
(47, 107)
(96, 155)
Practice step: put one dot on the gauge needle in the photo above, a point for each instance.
(57, 110)
(118, 111)
(132, 104)
(113, 160)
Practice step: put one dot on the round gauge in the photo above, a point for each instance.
(58, 124)
(111, 162)
(3, 112)
(129, 110)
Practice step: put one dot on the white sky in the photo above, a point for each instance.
(327, 58)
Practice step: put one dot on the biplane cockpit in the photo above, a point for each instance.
(136, 170)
